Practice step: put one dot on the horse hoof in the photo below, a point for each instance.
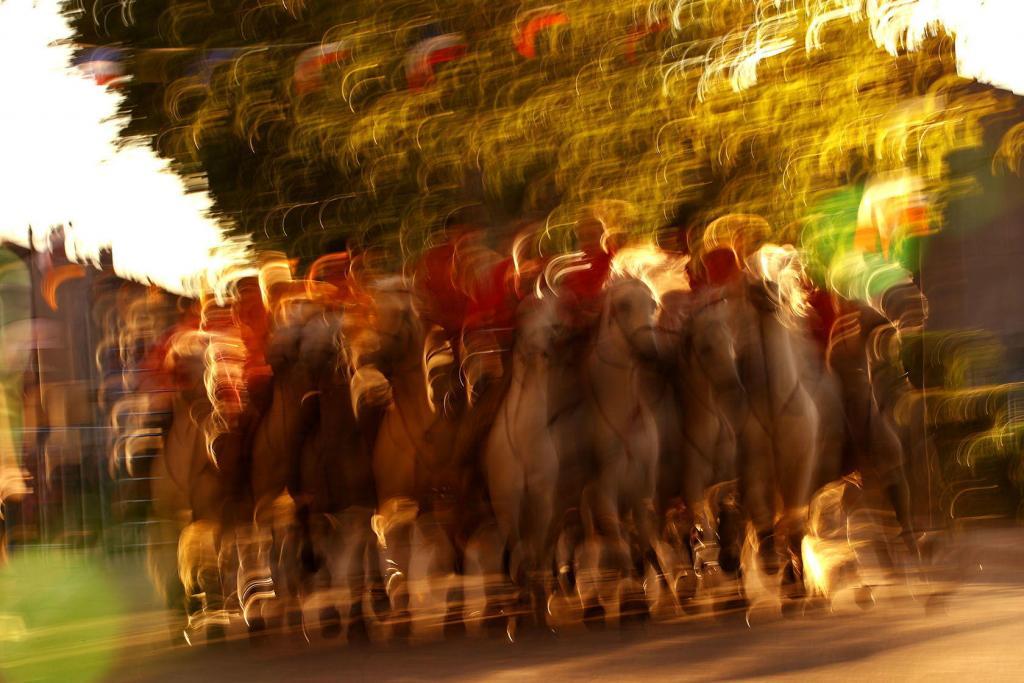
(330, 622)
(864, 597)
(791, 607)
(215, 633)
(935, 605)
(729, 561)
(817, 603)
(733, 603)
(295, 621)
(259, 633)
(401, 625)
(494, 624)
(379, 602)
(454, 628)
(711, 578)
(685, 586)
(593, 617)
(357, 631)
(634, 612)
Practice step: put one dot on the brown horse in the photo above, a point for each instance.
(271, 557)
(414, 467)
(187, 496)
(337, 493)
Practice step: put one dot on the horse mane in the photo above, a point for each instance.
(659, 270)
(782, 277)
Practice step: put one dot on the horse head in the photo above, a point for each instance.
(285, 335)
(540, 327)
(631, 315)
(711, 343)
(394, 331)
(379, 334)
(320, 343)
(186, 358)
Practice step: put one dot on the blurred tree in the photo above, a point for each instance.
(419, 107)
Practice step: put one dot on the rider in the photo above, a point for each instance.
(585, 280)
(863, 248)
(442, 304)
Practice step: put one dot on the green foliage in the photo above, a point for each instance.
(654, 105)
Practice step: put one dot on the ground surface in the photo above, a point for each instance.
(977, 631)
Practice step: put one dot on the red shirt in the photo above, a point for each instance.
(494, 300)
(445, 304)
(825, 315)
(721, 266)
(587, 283)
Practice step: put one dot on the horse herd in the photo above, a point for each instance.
(389, 479)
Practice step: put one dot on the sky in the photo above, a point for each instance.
(61, 165)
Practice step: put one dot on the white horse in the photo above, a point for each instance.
(618, 501)
(522, 458)
(698, 458)
(757, 366)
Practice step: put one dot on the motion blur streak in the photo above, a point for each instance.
(504, 317)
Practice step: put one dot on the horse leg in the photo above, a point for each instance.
(484, 584)
(267, 582)
(162, 537)
(393, 526)
(887, 462)
(288, 574)
(343, 549)
(537, 555)
(603, 537)
(375, 603)
(887, 456)
(796, 467)
(321, 578)
(506, 484)
(431, 569)
(567, 539)
(212, 581)
(644, 518)
(507, 491)
(255, 584)
(755, 466)
(703, 537)
(726, 510)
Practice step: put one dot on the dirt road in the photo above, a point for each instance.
(977, 631)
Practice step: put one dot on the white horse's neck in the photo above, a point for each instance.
(613, 373)
(781, 367)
